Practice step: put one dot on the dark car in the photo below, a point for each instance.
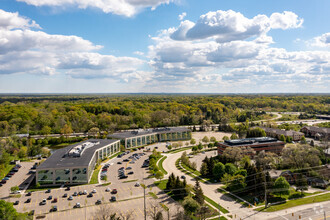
(119, 162)
(1, 184)
(31, 213)
(128, 168)
(16, 202)
(114, 191)
(183, 177)
(54, 209)
(29, 194)
(90, 195)
(126, 160)
(48, 190)
(75, 194)
(98, 202)
(54, 200)
(28, 200)
(81, 193)
(113, 199)
(65, 195)
(68, 188)
(50, 198)
(130, 173)
(123, 177)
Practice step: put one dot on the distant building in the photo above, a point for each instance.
(267, 144)
(75, 164)
(316, 132)
(142, 137)
(276, 133)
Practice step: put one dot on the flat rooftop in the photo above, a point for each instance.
(76, 155)
(140, 132)
(250, 141)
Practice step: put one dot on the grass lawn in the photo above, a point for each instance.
(160, 165)
(297, 202)
(222, 209)
(129, 181)
(153, 195)
(217, 218)
(178, 150)
(5, 171)
(161, 184)
(94, 179)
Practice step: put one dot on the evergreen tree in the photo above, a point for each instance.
(199, 195)
(203, 169)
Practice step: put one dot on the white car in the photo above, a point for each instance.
(17, 192)
(108, 189)
(137, 184)
(94, 191)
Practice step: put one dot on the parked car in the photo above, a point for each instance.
(77, 205)
(48, 190)
(65, 195)
(114, 191)
(67, 188)
(29, 194)
(90, 195)
(128, 168)
(183, 177)
(16, 202)
(3, 181)
(130, 173)
(137, 184)
(98, 202)
(80, 193)
(75, 194)
(70, 198)
(54, 200)
(94, 191)
(125, 160)
(113, 199)
(85, 192)
(43, 202)
(6, 178)
(53, 209)
(108, 189)
(123, 177)
(50, 198)
(119, 162)
(28, 200)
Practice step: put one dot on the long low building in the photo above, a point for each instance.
(75, 164)
(267, 144)
(276, 133)
(142, 137)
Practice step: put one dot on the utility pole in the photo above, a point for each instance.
(265, 193)
(144, 199)
(325, 217)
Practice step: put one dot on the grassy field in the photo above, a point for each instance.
(178, 150)
(153, 195)
(160, 165)
(217, 218)
(5, 171)
(94, 179)
(297, 202)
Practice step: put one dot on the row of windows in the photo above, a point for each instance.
(62, 176)
(139, 141)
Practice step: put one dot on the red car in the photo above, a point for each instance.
(114, 191)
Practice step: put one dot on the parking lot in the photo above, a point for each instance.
(20, 178)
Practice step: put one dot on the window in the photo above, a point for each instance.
(45, 177)
(79, 175)
(62, 176)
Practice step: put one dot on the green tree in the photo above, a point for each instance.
(225, 138)
(7, 211)
(282, 138)
(303, 140)
(192, 141)
(190, 205)
(233, 136)
(281, 187)
(199, 195)
(213, 139)
(205, 139)
(218, 170)
(22, 152)
(230, 168)
(203, 169)
(200, 146)
(159, 175)
(237, 184)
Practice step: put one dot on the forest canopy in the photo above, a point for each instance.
(46, 114)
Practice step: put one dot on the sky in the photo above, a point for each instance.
(164, 46)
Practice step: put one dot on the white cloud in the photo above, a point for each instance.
(140, 53)
(120, 7)
(321, 41)
(23, 50)
(231, 50)
(182, 16)
(230, 25)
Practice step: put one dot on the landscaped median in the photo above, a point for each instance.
(160, 165)
(95, 175)
(296, 202)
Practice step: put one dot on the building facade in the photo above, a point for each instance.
(316, 132)
(267, 144)
(276, 133)
(131, 139)
(75, 164)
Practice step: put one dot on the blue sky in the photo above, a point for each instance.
(77, 46)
